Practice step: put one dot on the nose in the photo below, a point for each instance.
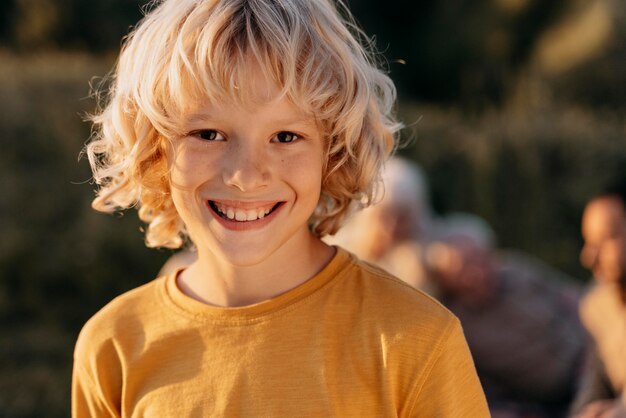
(246, 166)
(589, 256)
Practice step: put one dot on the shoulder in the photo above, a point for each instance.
(598, 303)
(395, 305)
(425, 349)
(594, 298)
(102, 347)
(120, 318)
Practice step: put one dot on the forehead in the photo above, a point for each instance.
(603, 216)
(252, 89)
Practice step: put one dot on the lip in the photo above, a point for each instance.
(234, 225)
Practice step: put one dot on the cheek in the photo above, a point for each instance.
(613, 255)
(187, 167)
(186, 173)
(304, 171)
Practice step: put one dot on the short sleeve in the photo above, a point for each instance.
(96, 377)
(87, 400)
(451, 387)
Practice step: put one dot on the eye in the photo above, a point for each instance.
(208, 135)
(285, 137)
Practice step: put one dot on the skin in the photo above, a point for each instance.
(604, 233)
(604, 408)
(381, 223)
(604, 253)
(268, 154)
(388, 223)
(464, 269)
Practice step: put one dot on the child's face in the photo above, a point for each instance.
(245, 180)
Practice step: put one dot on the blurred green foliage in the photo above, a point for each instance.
(94, 26)
(497, 134)
(60, 261)
(467, 52)
(528, 174)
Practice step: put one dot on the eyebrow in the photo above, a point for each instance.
(198, 118)
(204, 117)
(305, 120)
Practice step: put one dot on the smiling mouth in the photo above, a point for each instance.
(231, 213)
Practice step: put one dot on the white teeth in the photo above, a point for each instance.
(250, 215)
(242, 215)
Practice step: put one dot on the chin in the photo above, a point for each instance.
(608, 279)
(244, 255)
(242, 259)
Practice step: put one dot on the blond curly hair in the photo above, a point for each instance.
(187, 51)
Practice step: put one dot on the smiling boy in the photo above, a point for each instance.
(251, 128)
(245, 192)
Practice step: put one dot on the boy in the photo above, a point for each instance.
(250, 128)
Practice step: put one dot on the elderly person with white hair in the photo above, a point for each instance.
(391, 233)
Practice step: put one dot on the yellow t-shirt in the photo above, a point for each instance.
(352, 341)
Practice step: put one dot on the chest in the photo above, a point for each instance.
(259, 370)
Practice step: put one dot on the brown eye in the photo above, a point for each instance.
(208, 135)
(285, 137)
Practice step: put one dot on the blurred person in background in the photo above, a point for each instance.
(603, 308)
(519, 317)
(392, 233)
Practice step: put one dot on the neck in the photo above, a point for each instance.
(216, 281)
(622, 291)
